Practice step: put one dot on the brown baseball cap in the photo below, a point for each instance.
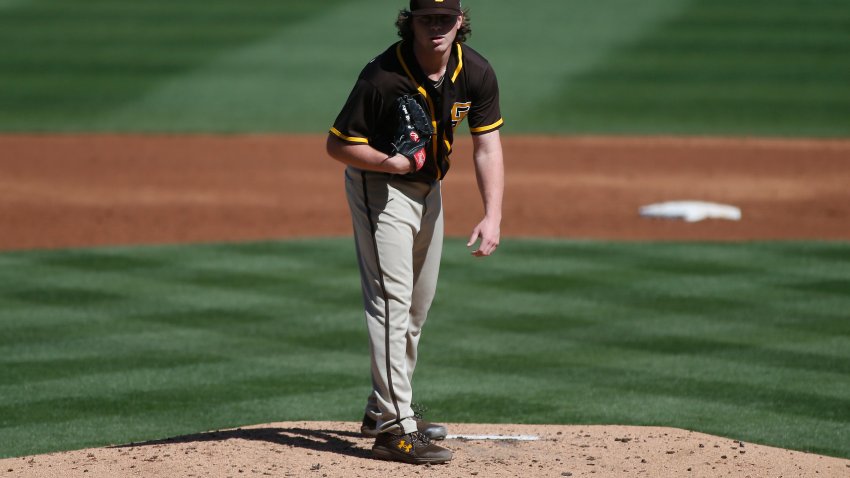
(435, 7)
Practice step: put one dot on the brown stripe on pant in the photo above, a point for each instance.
(398, 233)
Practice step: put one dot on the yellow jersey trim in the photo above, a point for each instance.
(459, 63)
(351, 139)
(482, 129)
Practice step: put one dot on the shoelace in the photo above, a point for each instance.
(420, 438)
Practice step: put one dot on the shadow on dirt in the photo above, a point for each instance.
(334, 441)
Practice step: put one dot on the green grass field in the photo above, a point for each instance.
(585, 66)
(111, 345)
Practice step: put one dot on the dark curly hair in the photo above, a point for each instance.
(404, 23)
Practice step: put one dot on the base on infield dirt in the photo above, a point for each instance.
(691, 211)
(336, 449)
(85, 190)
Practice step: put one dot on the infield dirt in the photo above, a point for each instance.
(334, 449)
(75, 191)
(64, 191)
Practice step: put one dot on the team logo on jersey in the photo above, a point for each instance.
(459, 111)
(414, 136)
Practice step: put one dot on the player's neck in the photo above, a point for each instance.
(432, 62)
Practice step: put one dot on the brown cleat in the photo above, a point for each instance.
(413, 448)
(434, 431)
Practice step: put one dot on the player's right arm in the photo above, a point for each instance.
(348, 139)
(365, 157)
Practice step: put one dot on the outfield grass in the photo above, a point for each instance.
(721, 66)
(111, 345)
(585, 66)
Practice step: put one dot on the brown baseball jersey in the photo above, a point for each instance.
(468, 90)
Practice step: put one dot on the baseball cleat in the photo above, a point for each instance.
(413, 448)
(434, 431)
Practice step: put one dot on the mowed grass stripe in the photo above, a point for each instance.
(582, 345)
(723, 67)
(761, 346)
(167, 422)
(587, 395)
(27, 372)
(258, 65)
(192, 369)
(69, 62)
(690, 335)
(663, 379)
(141, 402)
(670, 67)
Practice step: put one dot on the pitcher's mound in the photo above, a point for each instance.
(335, 449)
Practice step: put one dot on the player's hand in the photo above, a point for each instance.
(398, 164)
(488, 231)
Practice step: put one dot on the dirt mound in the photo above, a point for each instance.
(335, 449)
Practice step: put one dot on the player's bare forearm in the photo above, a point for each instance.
(490, 173)
(363, 156)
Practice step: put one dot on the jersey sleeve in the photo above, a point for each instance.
(356, 122)
(485, 115)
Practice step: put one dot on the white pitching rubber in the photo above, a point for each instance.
(494, 437)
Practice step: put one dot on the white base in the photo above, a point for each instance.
(691, 211)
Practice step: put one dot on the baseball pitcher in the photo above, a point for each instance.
(395, 135)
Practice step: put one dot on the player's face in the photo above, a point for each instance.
(436, 32)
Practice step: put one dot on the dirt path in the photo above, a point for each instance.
(69, 191)
(333, 449)
(61, 191)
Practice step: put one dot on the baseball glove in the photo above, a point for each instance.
(414, 132)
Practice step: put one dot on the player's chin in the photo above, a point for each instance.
(440, 43)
